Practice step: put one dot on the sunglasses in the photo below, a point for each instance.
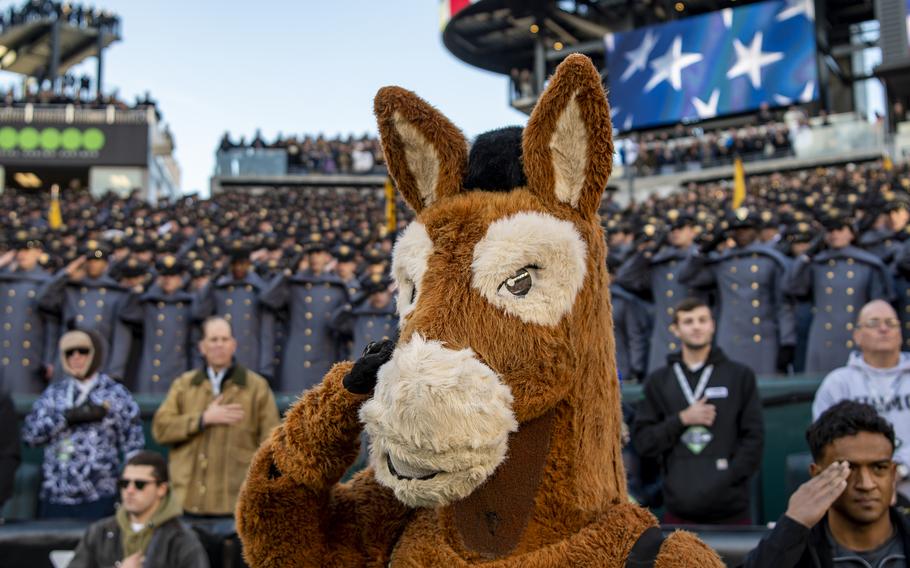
(139, 484)
(79, 350)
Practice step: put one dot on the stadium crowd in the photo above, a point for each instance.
(73, 14)
(205, 301)
(318, 154)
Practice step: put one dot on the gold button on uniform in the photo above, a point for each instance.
(849, 326)
(308, 348)
(155, 378)
(25, 362)
(160, 305)
(100, 303)
(307, 364)
(754, 268)
(669, 293)
(849, 344)
(80, 317)
(27, 326)
(755, 285)
(157, 348)
(308, 331)
(81, 303)
(756, 303)
(31, 294)
(12, 293)
(308, 299)
(7, 326)
(850, 309)
(156, 363)
(669, 276)
(159, 332)
(732, 270)
(669, 311)
(98, 317)
(756, 338)
(229, 302)
(308, 315)
(850, 261)
(756, 320)
(5, 361)
(248, 302)
(829, 290)
(26, 344)
(849, 291)
(672, 347)
(160, 317)
(734, 286)
(849, 274)
(830, 275)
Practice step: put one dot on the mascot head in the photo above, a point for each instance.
(503, 299)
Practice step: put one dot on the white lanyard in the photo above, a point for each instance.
(699, 388)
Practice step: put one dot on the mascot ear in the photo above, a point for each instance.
(568, 143)
(426, 154)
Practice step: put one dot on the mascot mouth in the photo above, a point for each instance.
(409, 472)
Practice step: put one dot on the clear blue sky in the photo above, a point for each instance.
(288, 66)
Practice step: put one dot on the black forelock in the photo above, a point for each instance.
(494, 163)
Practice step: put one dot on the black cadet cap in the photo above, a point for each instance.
(169, 265)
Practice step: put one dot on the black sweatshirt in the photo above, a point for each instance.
(9, 446)
(713, 484)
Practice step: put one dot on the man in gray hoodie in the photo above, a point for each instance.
(877, 374)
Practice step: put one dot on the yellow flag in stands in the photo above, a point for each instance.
(739, 183)
(390, 206)
(54, 216)
(887, 164)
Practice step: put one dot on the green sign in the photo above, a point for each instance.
(51, 139)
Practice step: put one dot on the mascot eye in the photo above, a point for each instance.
(519, 284)
(413, 293)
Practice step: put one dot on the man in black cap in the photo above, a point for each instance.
(236, 297)
(85, 297)
(756, 324)
(164, 315)
(27, 335)
(840, 278)
(309, 297)
(655, 268)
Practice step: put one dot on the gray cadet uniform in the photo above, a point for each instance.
(92, 303)
(311, 346)
(631, 322)
(840, 282)
(901, 272)
(366, 324)
(238, 301)
(660, 275)
(755, 317)
(28, 336)
(165, 321)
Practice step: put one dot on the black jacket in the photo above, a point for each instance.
(9, 446)
(714, 484)
(791, 545)
(173, 545)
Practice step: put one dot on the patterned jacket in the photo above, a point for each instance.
(82, 463)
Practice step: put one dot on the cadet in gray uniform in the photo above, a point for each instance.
(28, 336)
(85, 297)
(656, 269)
(235, 296)
(164, 315)
(840, 279)
(756, 322)
(631, 328)
(370, 316)
(309, 297)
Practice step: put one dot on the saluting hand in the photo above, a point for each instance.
(218, 413)
(812, 499)
(74, 268)
(133, 561)
(699, 413)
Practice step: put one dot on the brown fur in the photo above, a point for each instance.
(579, 515)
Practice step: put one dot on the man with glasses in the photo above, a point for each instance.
(877, 374)
(87, 422)
(146, 530)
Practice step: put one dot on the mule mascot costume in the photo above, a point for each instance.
(495, 420)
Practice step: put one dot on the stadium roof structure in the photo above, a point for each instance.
(28, 48)
(501, 35)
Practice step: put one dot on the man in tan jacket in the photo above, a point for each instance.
(213, 419)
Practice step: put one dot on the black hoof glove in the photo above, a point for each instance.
(362, 377)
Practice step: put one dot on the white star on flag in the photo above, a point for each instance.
(795, 8)
(638, 57)
(707, 109)
(727, 14)
(750, 60)
(614, 110)
(670, 65)
(627, 124)
(807, 93)
(782, 100)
